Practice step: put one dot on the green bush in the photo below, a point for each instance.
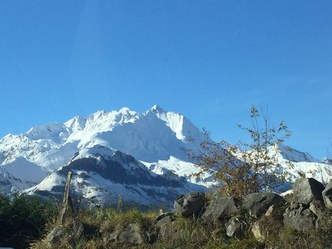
(23, 219)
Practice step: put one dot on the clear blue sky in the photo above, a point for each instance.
(209, 60)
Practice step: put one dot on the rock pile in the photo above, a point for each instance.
(260, 214)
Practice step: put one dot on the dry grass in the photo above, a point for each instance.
(189, 233)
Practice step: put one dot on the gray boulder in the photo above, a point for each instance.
(65, 234)
(235, 228)
(165, 225)
(300, 217)
(258, 203)
(220, 209)
(306, 190)
(190, 204)
(269, 224)
(126, 233)
(258, 231)
(56, 236)
(327, 195)
(164, 218)
(317, 207)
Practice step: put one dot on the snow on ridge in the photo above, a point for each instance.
(294, 155)
(106, 121)
(157, 109)
(179, 124)
(53, 131)
(175, 166)
(104, 151)
(150, 136)
(75, 124)
(173, 121)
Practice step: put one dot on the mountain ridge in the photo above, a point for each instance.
(154, 140)
(150, 137)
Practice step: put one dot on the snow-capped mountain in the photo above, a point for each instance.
(138, 156)
(151, 136)
(299, 163)
(154, 140)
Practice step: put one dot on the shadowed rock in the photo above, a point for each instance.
(327, 195)
(306, 190)
(258, 203)
(189, 204)
(220, 209)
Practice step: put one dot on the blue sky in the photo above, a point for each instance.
(209, 60)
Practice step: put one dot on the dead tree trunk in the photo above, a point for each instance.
(119, 209)
(66, 201)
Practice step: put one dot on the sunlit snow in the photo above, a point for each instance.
(156, 138)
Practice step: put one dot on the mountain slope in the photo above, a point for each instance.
(19, 174)
(153, 136)
(101, 174)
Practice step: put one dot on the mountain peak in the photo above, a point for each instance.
(125, 110)
(157, 109)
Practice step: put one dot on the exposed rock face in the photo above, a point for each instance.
(258, 203)
(189, 204)
(306, 190)
(327, 195)
(220, 209)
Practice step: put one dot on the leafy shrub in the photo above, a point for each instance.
(23, 219)
(245, 167)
